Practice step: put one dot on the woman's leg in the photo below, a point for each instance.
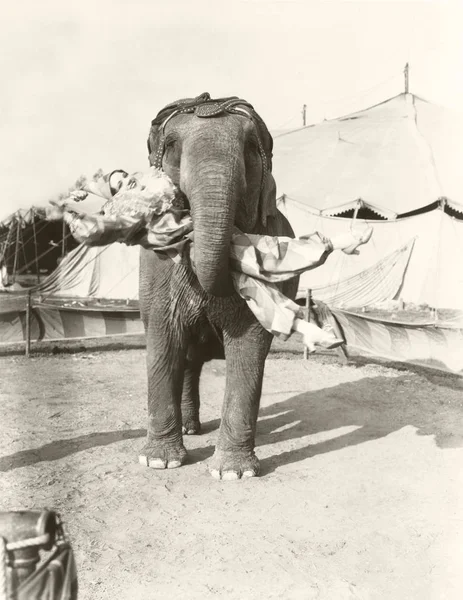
(313, 336)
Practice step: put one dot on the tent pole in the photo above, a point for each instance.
(16, 248)
(356, 212)
(36, 250)
(63, 239)
(304, 110)
(6, 249)
(406, 69)
(308, 299)
(28, 322)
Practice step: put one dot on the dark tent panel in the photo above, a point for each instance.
(30, 245)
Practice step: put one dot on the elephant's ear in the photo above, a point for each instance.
(268, 199)
(156, 134)
(155, 146)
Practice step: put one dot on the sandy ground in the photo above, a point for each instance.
(361, 495)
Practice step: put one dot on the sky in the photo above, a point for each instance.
(82, 80)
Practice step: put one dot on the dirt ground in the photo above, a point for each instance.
(361, 493)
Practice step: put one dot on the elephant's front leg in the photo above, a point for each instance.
(245, 358)
(166, 349)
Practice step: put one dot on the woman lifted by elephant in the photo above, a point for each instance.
(218, 154)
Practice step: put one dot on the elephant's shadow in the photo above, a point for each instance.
(368, 405)
(371, 408)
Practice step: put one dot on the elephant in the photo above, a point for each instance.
(219, 155)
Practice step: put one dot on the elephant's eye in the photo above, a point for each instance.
(252, 154)
(253, 145)
(172, 151)
(170, 142)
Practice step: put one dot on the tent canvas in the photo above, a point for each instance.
(425, 273)
(433, 275)
(398, 156)
(396, 166)
(109, 272)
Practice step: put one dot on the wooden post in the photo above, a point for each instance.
(308, 299)
(406, 78)
(28, 322)
(304, 110)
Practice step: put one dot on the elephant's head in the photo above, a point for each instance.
(219, 153)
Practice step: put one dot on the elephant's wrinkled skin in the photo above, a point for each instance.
(192, 317)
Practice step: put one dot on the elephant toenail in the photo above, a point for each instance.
(215, 473)
(249, 474)
(230, 476)
(173, 464)
(143, 460)
(156, 463)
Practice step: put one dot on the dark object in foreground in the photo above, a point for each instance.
(25, 574)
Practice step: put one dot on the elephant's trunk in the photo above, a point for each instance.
(213, 189)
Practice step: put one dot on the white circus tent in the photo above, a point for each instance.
(397, 166)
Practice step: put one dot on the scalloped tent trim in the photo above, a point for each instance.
(365, 211)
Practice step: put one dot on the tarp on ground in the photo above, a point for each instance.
(398, 156)
(428, 345)
(51, 323)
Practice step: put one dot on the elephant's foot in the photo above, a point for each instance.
(162, 455)
(229, 465)
(191, 426)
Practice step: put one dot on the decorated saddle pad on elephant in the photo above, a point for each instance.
(160, 223)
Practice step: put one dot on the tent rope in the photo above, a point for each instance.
(439, 253)
(27, 265)
(122, 279)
